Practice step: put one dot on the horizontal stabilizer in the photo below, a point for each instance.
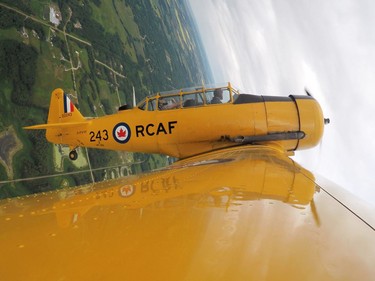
(57, 125)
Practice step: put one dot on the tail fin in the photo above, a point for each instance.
(62, 110)
(62, 115)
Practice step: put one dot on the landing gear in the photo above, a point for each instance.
(73, 155)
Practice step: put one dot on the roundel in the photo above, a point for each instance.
(126, 190)
(121, 133)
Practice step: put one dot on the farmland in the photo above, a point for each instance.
(97, 51)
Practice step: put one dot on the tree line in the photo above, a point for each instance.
(17, 64)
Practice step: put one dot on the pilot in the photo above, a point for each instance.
(218, 96)
(164, 104)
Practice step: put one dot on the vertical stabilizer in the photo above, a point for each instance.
(63, 119)
(62, 110)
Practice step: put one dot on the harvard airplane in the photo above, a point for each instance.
(236, 207)
(189, 122)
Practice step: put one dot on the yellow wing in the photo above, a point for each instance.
(243, 213)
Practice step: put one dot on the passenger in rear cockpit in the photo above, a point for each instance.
(218, 96)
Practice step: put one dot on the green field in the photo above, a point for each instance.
(108, 48)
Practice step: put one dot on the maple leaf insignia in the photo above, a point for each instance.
(121, 133)
(127, 190)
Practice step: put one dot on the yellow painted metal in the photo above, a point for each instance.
(312, 122)
(242, 213)
(185, 131)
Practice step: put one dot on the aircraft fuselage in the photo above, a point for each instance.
(191, 128)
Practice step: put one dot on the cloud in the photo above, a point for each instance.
(279, 47)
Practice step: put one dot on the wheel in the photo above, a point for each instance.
(73, 155)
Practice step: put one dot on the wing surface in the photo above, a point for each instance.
(244, 213)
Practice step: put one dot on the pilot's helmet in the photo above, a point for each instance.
(218, 93)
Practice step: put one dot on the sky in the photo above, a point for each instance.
(282, 47)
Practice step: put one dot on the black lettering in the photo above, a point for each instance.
(149, 133)
(92, 134)
(81, 132)
(170, 126)
(149, 129)
(161, 129)
(98, 135)
(139, 130)
(66, 115)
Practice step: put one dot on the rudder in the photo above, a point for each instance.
(62, 110)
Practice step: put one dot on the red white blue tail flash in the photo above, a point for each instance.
(68, 105)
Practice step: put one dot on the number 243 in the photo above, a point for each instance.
(100, 135)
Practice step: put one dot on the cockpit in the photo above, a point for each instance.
(190, 97)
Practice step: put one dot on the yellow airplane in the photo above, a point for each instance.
(240, 213)
(235, 208)
(189, 122)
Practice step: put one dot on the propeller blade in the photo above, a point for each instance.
(307, 92)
